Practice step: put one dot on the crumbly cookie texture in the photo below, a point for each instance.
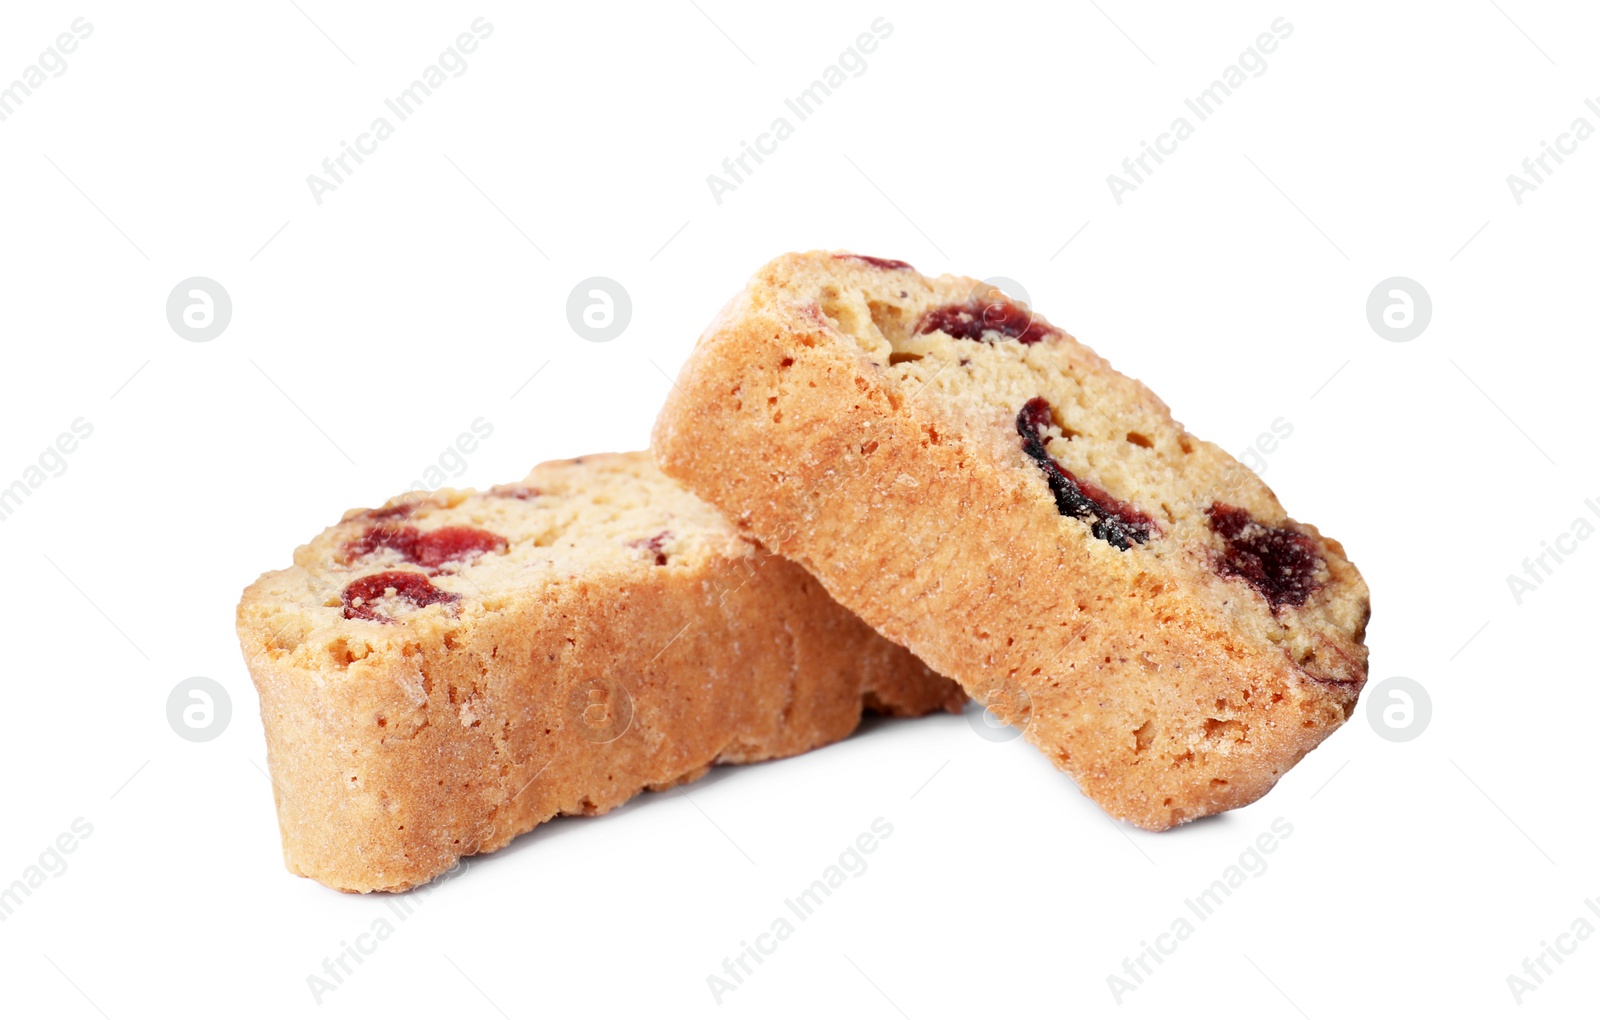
(990, 493)
(447, 671)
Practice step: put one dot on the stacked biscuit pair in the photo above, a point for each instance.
(857, 463)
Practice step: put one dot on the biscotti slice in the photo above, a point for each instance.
(445, 672)
(990, 493)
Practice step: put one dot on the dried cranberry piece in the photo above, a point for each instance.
(514, 491)
(402, 538)
(1110, 519)
(384, 513)
(652, 546)
(428, 549)
(975, 319)
(360, 594)
(1279, 563)
(873, 260)
(456, 542)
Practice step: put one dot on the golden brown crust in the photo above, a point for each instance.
(397, 748)
(879, 457)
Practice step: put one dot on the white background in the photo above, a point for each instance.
(370, 330)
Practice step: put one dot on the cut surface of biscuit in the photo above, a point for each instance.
(444, 672)
(990, 493)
